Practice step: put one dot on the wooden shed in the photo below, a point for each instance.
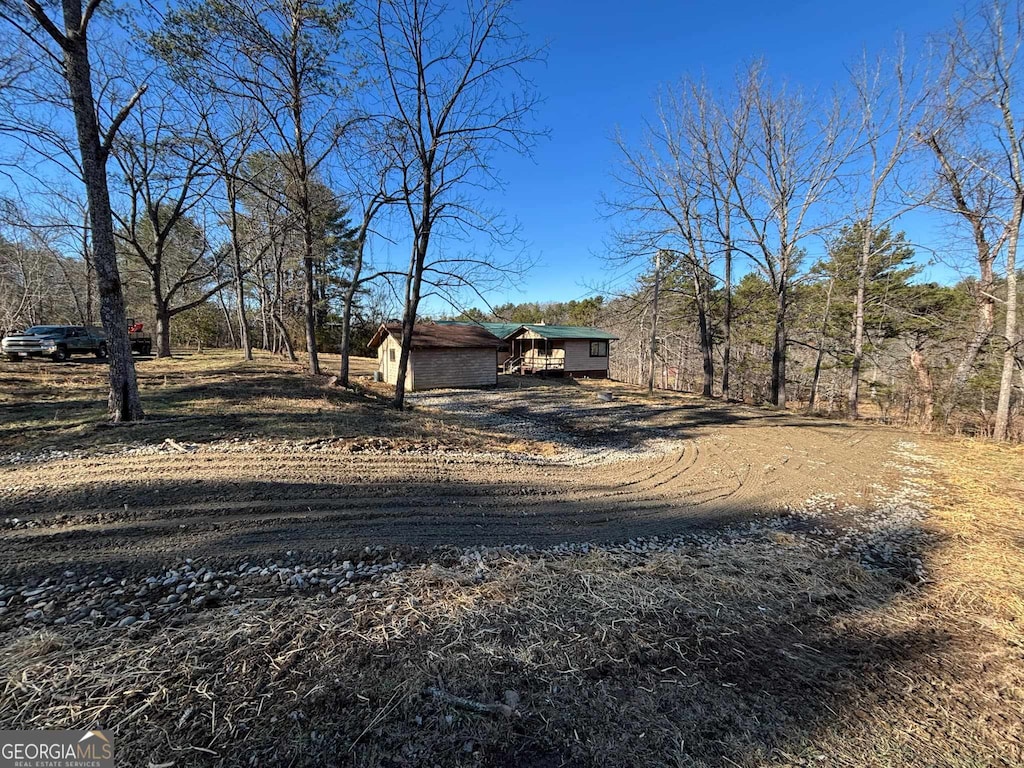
(501, 330)
(568, 350)
(441, 355)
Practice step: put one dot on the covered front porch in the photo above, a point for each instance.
(529, 356)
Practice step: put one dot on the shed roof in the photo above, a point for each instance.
(569, 332)
(438, 336)
(501, 330)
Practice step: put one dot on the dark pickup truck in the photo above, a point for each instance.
(58, 342)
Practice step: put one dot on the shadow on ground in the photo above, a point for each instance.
(65, 408)
(748, 654)
(145, 527)
(571, 414)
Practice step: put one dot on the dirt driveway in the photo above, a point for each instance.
(614, 470)
(197, 583)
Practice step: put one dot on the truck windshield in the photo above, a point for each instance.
(39, 330)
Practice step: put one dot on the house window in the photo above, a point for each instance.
(599, 349)
(391, 355)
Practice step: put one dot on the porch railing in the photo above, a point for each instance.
(533, 364)
(513, 365)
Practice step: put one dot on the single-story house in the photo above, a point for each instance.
(568, 350)
(501, 330)
(442, 355)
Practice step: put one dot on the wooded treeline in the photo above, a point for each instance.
(186, 291)
(914, 338)
(231, 172)
(750, 180)
(915, 333)
(765, 224)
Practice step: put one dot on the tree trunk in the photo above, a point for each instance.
(817, 375)
(983, 326)
(986, 280)
(236, 252)
(244, 339)
(1002, 426)
(264, 320)
(779, 347)
(285, 338)
(414, 282)
(706, 342)
(858, 322)
(821, 347)
(924, 383)
(654, 322)
(727, 321)
(227, 319)
(123, 402)
(277, 308)
(314, 359)
(305, 204)
(679, 367)
(308, 293)
(346, 315)
(163, 329)
(346, 342)
(90, 315)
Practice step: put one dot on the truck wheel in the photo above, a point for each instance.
(60, 355)
(101, 351)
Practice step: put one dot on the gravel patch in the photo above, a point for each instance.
(517, 415)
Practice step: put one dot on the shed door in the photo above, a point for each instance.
(390, 364)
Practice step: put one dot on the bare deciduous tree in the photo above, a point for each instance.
(230, 139)
(888, 108)
(371, 175)
(70, 35)
(166, 173)
(662, 191)
(973, 136)
(718, 136)
(793, 153)
(455, 89)
(282, 56)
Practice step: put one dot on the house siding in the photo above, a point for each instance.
(438, 368)
(574, 353)
(578, 359)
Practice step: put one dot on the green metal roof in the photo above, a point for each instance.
(504, 330)
(568, 332)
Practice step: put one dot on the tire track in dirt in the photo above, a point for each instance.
(222, 503)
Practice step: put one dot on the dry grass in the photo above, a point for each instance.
(978, 506)
(201, 397)
(669, 661)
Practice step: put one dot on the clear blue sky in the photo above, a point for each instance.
(605, 62)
